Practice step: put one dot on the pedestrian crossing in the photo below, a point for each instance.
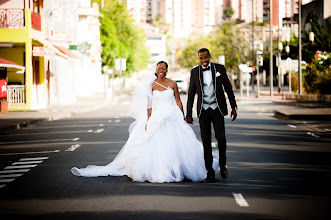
(17, 169)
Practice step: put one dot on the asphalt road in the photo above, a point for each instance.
(276, 171)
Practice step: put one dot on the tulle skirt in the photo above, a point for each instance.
(168, 151)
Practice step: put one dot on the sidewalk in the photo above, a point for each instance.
(289, 109)
(18, 119)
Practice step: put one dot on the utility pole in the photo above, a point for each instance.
(300, 51)
(252, 43)
(271, 78)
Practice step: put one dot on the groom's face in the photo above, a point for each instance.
(204, 58)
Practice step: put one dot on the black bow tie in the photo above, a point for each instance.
(206, 69)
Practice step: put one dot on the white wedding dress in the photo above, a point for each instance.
(168, 151)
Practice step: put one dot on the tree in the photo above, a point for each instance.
(121, 38)
(228, 12)
(188, 57)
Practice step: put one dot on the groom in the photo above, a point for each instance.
(209, 80)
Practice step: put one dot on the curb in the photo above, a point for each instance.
(288, 116)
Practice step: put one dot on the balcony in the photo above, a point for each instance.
(16, 95)
(15, 18)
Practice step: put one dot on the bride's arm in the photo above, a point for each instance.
(177, 97)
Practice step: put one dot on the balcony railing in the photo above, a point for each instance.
(16, 95)
(14, 18)
(11, 18)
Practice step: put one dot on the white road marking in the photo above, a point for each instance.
(34, 158)
(101, 125)
(118, 120)
(110, 120)
(75, 139)
(36, 141)
(27, 162)
(23, 166)
(99, 130)
(213, 144)
(15, 171)
(1, 186)
(73, 147)
(90, 131)
(312, 134)
(291, 126)
(37, 152)
(47, 133)
(6, 180)
(240, 200)
(11, 175)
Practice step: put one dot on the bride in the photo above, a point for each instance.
(161, 147)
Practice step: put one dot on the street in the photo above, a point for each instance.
(276, 171)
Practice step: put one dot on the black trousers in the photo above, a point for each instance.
(206, 118)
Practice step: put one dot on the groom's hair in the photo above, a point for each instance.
(204, 50)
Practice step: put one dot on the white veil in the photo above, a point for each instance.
(142, 99)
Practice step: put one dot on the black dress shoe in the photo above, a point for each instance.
(209, 179)
(224, 173)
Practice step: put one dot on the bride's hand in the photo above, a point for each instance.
(146, 127)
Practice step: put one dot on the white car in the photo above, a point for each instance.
(183, 84)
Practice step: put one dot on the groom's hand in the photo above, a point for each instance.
(189, 120)
(233, 114)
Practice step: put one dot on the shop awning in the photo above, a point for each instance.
(10, 64)
(67, 52)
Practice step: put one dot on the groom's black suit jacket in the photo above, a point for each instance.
(220, 82)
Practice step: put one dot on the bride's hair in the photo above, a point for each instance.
(159, 63)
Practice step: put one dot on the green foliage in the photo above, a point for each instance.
(188, 57)
(120, 38)
(226, 40)
(158, 21)
(322, 41)
(228, 12)
(318, 75)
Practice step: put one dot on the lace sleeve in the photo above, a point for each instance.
(149, 100)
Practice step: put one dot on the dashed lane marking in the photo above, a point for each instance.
(240, 200)
(75, 139)
(99, 130)
(101, 125)
(36, 141)
(73, 147)
(118, 120)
